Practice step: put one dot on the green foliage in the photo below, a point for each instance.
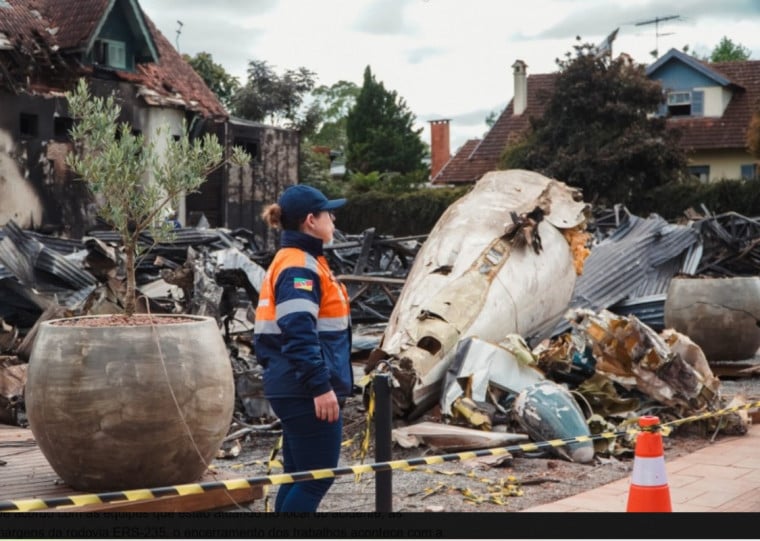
(132, 184)
(728, 51)
(491, 118)
(390, 183)
(365, 182)
(334, 104)
(270, 97)
(325, 127)
(380, 131)
(672, 199)
(599, 132)
(215, 76)
(313, 168)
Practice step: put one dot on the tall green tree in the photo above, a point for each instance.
(380, 131)
(273, 98)
(600, 131)
(215, 76)
(334, 103)
(728, 51)
(326, 128)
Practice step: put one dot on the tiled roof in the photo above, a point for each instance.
(75, 20)
(458, 165)
(728, 131)
(66, 25)
(174, 78)
(22, 25)
(474, 160)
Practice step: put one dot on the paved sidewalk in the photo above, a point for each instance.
(723, 477)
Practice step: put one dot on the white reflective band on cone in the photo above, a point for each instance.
(649, 472)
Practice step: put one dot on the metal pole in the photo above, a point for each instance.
(383, 443)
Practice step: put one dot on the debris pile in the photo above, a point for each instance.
(515, 296)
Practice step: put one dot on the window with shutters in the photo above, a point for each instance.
(685, 103)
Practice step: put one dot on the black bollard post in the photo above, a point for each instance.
(383, 442)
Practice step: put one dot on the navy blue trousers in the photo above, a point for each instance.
(307, 444)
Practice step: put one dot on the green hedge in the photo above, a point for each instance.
(416, 212)
(671, 200)
(397, 215)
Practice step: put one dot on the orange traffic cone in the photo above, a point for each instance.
(649, 492)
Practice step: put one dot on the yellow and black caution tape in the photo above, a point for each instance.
(280, 479)
(284, 478)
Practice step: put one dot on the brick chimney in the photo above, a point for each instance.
(521, 87)
(440, 146)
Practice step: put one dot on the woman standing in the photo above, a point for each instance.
(302, 338)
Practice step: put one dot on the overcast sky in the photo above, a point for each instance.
(447, 58)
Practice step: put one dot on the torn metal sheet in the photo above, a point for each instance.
(546, 411)
(169, 296)
(634, 356)
(478, 364)
(232, 259)
(43, 271)
(471, 279)
(690, 352)
(452, 438)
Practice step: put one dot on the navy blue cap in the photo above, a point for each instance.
(298, 201)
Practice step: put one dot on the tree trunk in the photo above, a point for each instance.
(129, 298)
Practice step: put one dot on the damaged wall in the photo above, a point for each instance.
(18, 198)
(38, 192)
(42, 193)
(273, 167)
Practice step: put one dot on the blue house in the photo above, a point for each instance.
(711, 104)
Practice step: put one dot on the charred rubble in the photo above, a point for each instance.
(200, 271)
(217, 272)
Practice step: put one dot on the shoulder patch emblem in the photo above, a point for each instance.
(303, 283)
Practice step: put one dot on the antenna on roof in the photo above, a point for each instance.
(656, 21)
(179, 31)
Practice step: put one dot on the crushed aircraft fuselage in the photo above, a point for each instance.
(498, 261)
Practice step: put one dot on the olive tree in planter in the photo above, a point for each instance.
(131, 401)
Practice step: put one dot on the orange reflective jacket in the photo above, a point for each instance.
(302, 333)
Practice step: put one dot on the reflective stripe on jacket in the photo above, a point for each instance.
(302, 330)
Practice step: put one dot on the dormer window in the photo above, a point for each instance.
(111, 53)
(679, 103)
(685, 103)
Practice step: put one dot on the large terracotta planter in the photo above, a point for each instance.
(719, 314)
(118, 408)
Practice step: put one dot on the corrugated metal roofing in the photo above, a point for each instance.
(23, 254)
(638, 259)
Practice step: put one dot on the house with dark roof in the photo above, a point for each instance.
(710, 104)
(47, 45)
